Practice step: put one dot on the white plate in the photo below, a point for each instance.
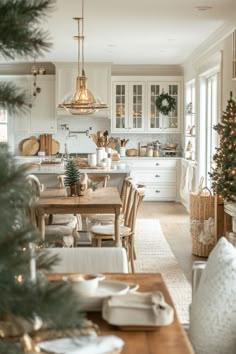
(105, 289)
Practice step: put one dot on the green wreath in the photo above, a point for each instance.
(165, 103)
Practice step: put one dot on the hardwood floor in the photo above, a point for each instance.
(175, 225)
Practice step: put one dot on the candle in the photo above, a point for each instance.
(32, 262)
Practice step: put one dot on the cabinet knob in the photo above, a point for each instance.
(157, 176)
(157, 191)
(157, 164)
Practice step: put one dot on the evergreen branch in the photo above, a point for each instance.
(18, 34)
(11, 98)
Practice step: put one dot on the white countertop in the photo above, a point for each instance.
(60, 169)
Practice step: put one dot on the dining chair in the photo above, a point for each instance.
(61, 230)
(109, 218)
(101, 233)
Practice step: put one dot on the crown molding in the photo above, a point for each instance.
(211, 42)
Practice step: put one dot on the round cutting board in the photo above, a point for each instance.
(55, 147)
(30, 146)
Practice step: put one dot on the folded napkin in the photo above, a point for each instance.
(137, 309)
(83, 345)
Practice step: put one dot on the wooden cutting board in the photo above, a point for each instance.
(55, 147)
(29, 147)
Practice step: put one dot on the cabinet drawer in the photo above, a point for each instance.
(150, 164)
(158, 176)
(160, 193)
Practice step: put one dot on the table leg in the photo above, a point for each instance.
(117, 228)
(41, 224)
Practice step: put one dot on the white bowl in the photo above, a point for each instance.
(86, 284)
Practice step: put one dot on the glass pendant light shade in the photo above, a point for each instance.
(82, 101)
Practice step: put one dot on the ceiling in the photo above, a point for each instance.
(136, 32)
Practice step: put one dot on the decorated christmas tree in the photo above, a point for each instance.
(223, 176)
(28, 300)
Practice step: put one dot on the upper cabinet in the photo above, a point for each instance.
(42, 113)
(99, 81)
(128, 102)
(134, 108)
(40, 117)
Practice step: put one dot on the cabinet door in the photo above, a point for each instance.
(136, 106)
(154, 116)
(157, 122)
(120, 96)
(43, 118)
(171, 122)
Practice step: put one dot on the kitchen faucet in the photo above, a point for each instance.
(72, 134)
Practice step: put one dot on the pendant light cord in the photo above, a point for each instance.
(82, 37)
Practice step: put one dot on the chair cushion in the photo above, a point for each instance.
(61, 219)
(108, 229)
(213, 311)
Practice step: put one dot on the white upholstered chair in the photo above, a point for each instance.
(213, 310)
(89, 260)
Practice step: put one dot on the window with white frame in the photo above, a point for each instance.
(3, 125)
(209, 112)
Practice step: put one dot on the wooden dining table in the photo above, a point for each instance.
(101, 201)
(170, 339)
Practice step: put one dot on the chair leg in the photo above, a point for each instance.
(132, 255)
(99, 242)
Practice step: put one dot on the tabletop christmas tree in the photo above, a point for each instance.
(28, 299)
(223, 176)
(72, 176)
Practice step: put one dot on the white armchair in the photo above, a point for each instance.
(213, 309)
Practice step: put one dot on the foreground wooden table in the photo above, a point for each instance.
(170, 339)
(102, 201)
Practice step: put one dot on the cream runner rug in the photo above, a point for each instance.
(155, 256)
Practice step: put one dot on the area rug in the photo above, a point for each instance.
(155, 256)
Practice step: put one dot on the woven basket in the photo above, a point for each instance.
(201, 210)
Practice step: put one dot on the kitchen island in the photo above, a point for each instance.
(47, 172)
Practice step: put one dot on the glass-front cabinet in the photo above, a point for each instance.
(128, 106)
(134, 104)
(157, 122)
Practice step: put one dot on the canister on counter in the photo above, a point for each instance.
(100, 154)
(150, 151)
(92, 159)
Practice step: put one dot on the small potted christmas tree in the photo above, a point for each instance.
(72, 177)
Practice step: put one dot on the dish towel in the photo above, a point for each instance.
(138, 309)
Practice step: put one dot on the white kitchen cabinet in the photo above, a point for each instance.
(42, 113)
(128, 106)
(133, 104)
(41, 116)
(99, 83)
(159, 175)
(158, 122)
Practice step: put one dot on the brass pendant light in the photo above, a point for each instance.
(82, 102)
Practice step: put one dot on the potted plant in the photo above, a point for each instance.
(72, 177)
